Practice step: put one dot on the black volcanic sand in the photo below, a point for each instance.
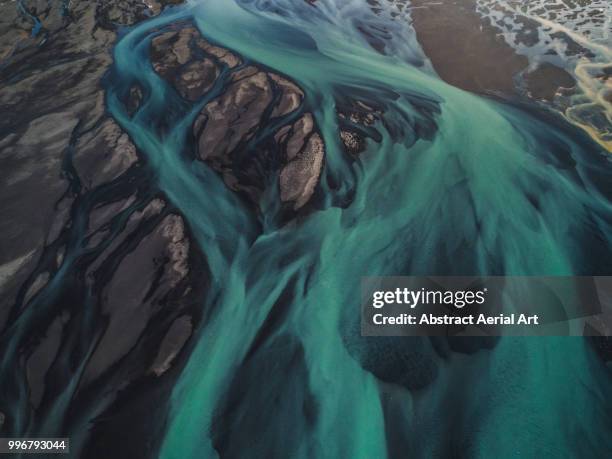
(100, 282)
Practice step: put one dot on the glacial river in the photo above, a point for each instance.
(458, 184)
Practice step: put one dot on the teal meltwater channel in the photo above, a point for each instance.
(457, 185)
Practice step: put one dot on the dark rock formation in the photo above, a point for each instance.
(303, 163)
(251, 99)
(356, 119)
(352, 141)
(175, 58)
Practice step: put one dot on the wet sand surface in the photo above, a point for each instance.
(468, 52)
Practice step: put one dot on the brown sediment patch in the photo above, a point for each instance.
(228, 131)
(468, 52)
(545, 81)
(464, 51)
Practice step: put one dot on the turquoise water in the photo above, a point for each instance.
(458, 184)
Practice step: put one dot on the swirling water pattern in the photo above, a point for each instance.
(457, 185)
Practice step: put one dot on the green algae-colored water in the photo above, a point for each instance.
(458, 184)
